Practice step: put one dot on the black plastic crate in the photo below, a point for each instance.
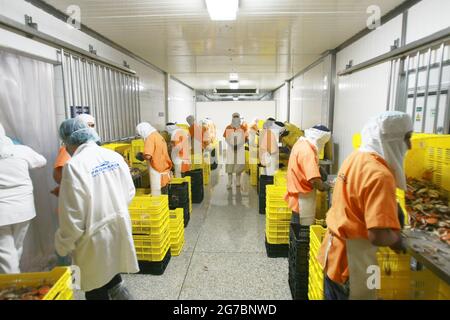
(197, 188)
(186, 215)
(264, 181)
(154, 268)
(298, 261)
(277, 250)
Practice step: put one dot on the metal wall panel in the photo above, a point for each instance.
(111, 95)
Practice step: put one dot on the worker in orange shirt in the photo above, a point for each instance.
(235, 137)
(180, 149)
(303, 175)
(157, 156)
(363, 215)
(268, 147)
(63, 156)
(196, 133)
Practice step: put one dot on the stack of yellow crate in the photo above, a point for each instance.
(278, 215)
(254, 174)
(315, 281)
(150, 223)
(176, 231)
(280, 178)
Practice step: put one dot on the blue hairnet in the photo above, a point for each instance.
(321, 127)
(75, 132)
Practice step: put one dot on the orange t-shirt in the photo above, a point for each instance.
(303, 166)
(230, 129)
(196, 133)
(62, 158)
(363, 198)
(181, 140)
(155, 149)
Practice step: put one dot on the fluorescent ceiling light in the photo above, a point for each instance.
(234, 84)
(234, 76)
(222, 10)
(235, 98)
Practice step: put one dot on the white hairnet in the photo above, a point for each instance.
(385, 135)
(317, 137)
(86, 118)
(171, 128)
(5, 143)
(144, 129)
(75, 132)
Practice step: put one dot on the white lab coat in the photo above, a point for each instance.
(95, 225)
(16, 188)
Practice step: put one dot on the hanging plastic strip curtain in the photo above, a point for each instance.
(108, 94)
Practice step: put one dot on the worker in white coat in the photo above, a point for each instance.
(235, 136)
(95, 225)
(16, 199)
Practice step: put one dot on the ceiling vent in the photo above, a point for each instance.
(236, 91)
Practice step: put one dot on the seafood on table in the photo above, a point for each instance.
(24, 292)
(428, 207)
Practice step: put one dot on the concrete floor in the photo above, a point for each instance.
(224, 254)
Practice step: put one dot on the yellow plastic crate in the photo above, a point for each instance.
(137, 146)
(321, 204)
(149, 214)
(142, 192)
(279, 213)
(316, 276)
(176, 218)
(148, 250)
(277, 232)
(175, 250)
(60, 279)
(280, 178)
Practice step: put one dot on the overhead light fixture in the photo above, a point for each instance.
(234, 76)
(235, 98)
(222, 10)
(234, 84)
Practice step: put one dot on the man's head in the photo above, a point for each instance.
(236, 120)
(389, 135)
(74, 133)
(88, 119)
(190, 120)
(144, 129)
(318, 135)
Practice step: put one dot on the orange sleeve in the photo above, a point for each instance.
(380, 205)
(225, 132)
(149, 147)
(62, 158)
(310, 165)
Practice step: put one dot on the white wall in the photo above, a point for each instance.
(310, 96)
(220, 112)
(181, 101)
(280, 96)
(427, 17)
(152, 81)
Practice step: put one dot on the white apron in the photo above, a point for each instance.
(361, 254)
(307, 208)
(155, 180)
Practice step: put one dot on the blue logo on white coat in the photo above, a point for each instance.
(104, 167)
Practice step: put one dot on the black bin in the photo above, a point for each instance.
(298, 261)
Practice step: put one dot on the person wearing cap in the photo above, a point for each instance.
(63, 156)
(16, 199)
(196, 133)
(363, 215)
(180, 149)
(157, 155)
(94, 222)
(303, 175)
(235, 137)
(268, 148)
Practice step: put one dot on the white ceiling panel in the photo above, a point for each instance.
(270, 41)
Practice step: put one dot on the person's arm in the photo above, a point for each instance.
(73, 206)
(34, 159)
(57, 174)
(380, 212)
